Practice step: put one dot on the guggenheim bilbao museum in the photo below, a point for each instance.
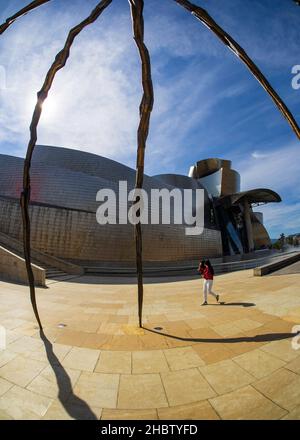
(64, 184)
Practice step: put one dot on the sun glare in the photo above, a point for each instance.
(49, 108)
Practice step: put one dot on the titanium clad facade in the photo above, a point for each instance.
(63, 211)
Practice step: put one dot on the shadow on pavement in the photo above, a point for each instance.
(268, 337)
(77, 408)
(241, 304)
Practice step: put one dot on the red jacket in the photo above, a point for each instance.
(206, 273)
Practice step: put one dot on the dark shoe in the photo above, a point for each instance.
(217, 298)
(204, 303)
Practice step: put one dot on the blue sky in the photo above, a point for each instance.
(206, 102)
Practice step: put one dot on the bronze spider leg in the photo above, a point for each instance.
(10, 20)
(59, 63)
(145, 109)
(209, 22)
(146, 106)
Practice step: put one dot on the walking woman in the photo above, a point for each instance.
(207, 272)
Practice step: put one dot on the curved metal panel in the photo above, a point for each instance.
(63, 206)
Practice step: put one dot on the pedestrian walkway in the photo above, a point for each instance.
(233, 360)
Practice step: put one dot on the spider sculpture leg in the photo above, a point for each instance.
(10, 20)
(145, 109)
(143, 129)
(59, 63)
(209, 22)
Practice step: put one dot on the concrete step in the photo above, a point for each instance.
(54, 271)
(55, 276)
(57, 279)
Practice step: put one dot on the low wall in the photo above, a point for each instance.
(276, 265)
(42, 258)
(13, 268)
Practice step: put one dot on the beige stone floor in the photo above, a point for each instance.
(231, 361)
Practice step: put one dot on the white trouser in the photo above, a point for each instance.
(207, 286)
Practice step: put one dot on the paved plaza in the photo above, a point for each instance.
(232, 360)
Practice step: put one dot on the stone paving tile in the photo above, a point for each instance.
(109, 328)
(216, 320)
(27, 329)
(183, 358)
(141, 391)
(51, 333)
(294, 365)
(69, 337)
(259, 363)
(246, 404)
(12, 323)
(156, 319)
(80, 358)
(103, 317)
(6, 356)
(176, 328)
(195, 324)
(176, 342)
(247, 324)
(282, 387)
(97, 389)
(114, 362)
(292, 318)
(186, 386)
(125, 343)
(4, 386)
(21, 404)
(4, 415)
(152, 341)
(127, 414)
(204, 335)
(21, 371)
(84, 326)
(57, 352)
(226, 376)
(211, 353)
(96, 340)
(118, 319)
(25, 344)
(264, 318)
(193, 411)
(280, 326)
(130, 329)
(227, 330)
(71, 411)
(281, 349)
(258, 337)
(293, 415)
(54, 380)
(12, 336)
(240, 345)
(151, 361)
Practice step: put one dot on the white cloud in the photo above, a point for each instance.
(276, 169)
(94, 101)
(259, 155)
(93, 104)
(281, 217)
